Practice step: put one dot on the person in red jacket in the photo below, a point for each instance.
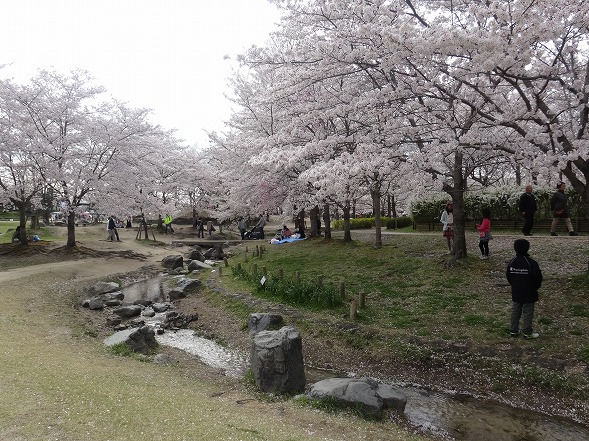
(485, 233)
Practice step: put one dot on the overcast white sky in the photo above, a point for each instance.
(163, 55)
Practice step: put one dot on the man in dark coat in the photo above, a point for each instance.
(525, 277)
(527, 207)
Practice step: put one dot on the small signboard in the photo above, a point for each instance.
(263, 280)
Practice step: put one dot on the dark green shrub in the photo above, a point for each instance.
(399, 222)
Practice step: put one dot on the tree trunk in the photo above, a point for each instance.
(456, 191)
(301, 224)
(327, 221)
(377, 224)
(394, 205)
(22, 212)
(313, 217)
(347, 230)
(71, 229)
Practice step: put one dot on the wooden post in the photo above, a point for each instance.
(220, 271)
(298, 276)
(264, 271)
(246, 250)
(255, 268)
(280, 273)
(257, 251)
(362, 300)
(246, 258)
(239, 266)
(342, 289)
(353, 309)
(226, 262)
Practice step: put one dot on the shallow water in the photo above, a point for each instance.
(466, 418)
(150, 289)
(233, 362)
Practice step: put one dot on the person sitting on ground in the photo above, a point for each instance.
(286, 233)
(16, 235)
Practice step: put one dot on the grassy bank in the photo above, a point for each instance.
(419, 309)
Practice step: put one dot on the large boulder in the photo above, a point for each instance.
(257, 322)
(140, 340)
(371, 395)
(105, 287)
(183, 285)
(172, 262)
(215, 253)
(197, 265)
(95, 303)
(128, 311)
(196, 254)
(277, 361)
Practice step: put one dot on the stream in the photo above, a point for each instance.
(448, 416)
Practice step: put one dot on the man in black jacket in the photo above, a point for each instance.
(525, 277)
(527, 207)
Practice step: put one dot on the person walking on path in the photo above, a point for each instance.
(200, 228)
(485, 233)
(210, 227)
(168, 224)
(447, 221)
(112, 230)
(241, 226)
(525, 277)
(260, 226)
(560, 210)
(527, 207)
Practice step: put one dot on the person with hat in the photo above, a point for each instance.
(525, 277)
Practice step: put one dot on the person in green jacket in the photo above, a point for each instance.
(168, 224)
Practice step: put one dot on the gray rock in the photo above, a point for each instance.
(148, 312)
(105, 287)
(95, 303)
(216, 253)
(172, 262)
(141, 340)
(197, 265)
(175, 294)
(185, 283)
(112, 322)
(128, 311)
(262, 322)
(115, 295)
(163, 359)
(196, 254)
(277, 361)
(160, 307)
(370, 394)
(112, 302)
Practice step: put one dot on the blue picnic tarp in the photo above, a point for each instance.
(288, 240)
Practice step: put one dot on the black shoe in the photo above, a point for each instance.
(514, 334)
(528, 234)
(572, 233)
(553, 234)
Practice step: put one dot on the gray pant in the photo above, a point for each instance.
(556, 220)
(516, 312)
